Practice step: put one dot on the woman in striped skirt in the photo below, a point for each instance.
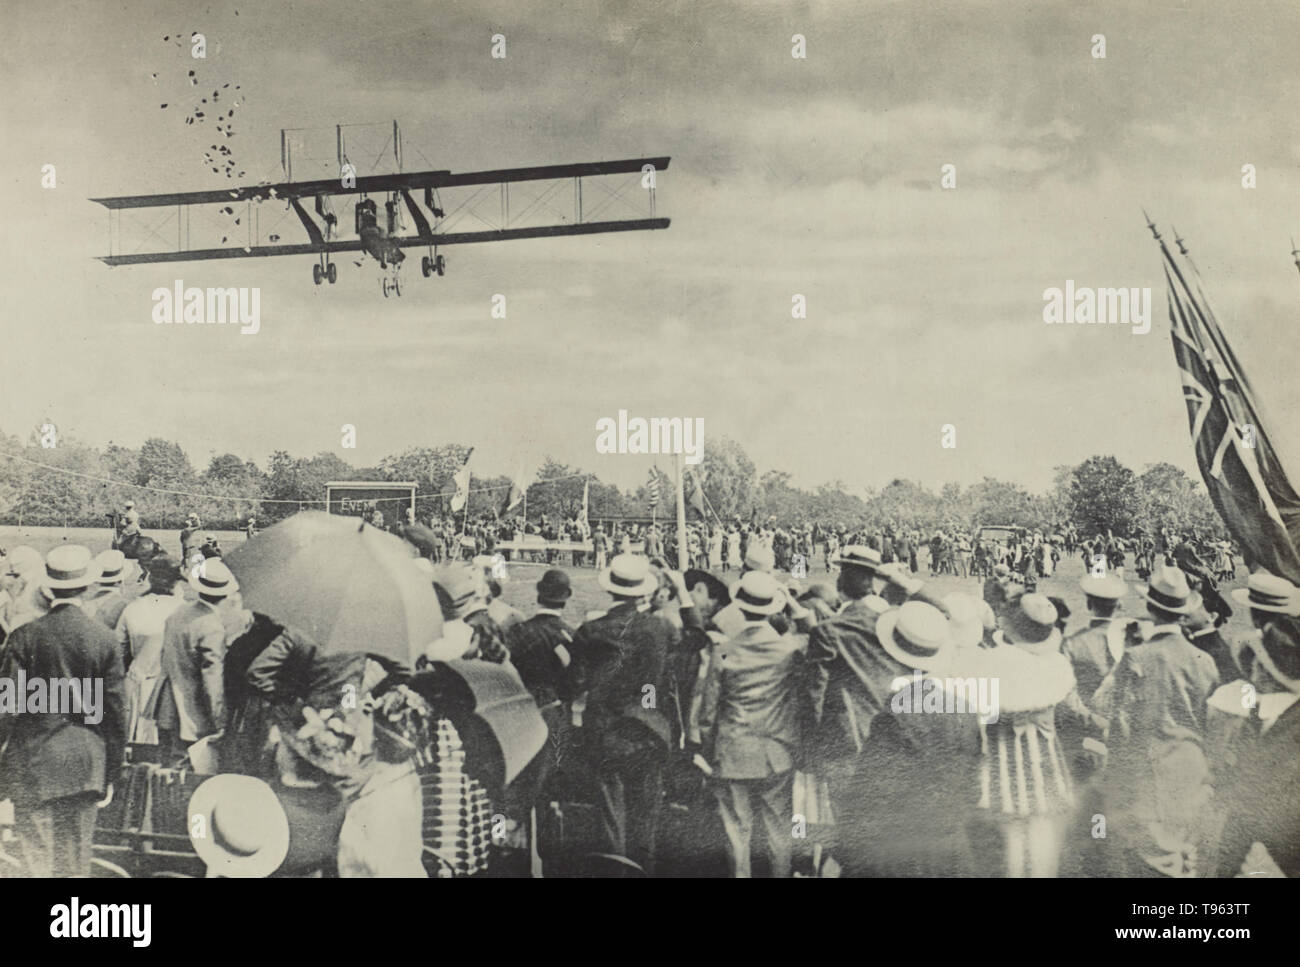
(1025, 786)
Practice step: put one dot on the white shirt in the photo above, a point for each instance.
(140, 629)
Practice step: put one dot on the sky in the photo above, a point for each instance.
(817, 176)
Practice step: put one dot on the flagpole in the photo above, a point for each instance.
(681, 515)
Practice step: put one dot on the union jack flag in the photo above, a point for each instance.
(1241, 468)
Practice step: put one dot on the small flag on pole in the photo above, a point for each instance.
(462, 485)
(652, 488)
(697, 492)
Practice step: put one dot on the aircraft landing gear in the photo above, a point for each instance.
(324, 269)
(431, 264)
(392, 285)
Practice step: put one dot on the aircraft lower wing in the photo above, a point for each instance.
(355, 245)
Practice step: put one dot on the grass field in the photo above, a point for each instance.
(520, 592)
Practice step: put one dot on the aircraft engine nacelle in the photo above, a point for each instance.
(366, 214)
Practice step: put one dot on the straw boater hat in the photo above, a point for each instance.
(899, 575)
(760, 557)
(1031, 623)
(214, 579)
(968, 617)
(1268, 592)
(111, 564)
(69, 566)
(629, 575)
(1107, 587)
(24, 561)
(1168, 591)
(246, 830)
(758, 593)
(858, 555)
(916, 634)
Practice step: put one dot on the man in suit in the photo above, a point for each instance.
(194, 653)
(1094, 650)
(849, 684)
(620, 660)
(1262, 831)
(1157, 774)
(107, 599)
(59, 764)
(751, 723)
(539, 650)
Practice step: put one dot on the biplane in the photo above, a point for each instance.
(382, 235)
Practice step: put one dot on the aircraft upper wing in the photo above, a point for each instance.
(380, 183)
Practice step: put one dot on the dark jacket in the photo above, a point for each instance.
(615, 657)
(758, 728)
(51, 756)
(1091, 657)
(540, 651)
(1261, 801)
(848, 681)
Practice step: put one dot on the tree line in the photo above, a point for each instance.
(75, 484)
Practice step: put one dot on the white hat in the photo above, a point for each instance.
(759, 593)
(760, 557)
(968, 617)
(629, 575)
(111, 564)
(70, 566)
(24, 561)
(1268, 592)
(213, 578)
(245, 831)
(857, 555)
(917, 635)
(1169, 592)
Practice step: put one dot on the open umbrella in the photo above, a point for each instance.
(349, 587)
(494, 713)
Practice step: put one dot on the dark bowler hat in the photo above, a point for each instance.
(554, 587)
(717, 589)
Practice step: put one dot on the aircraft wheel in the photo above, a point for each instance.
(441, 265)
(397, 286)
(316, 273)
(385, 288)
(425, 268)
(332, 273)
